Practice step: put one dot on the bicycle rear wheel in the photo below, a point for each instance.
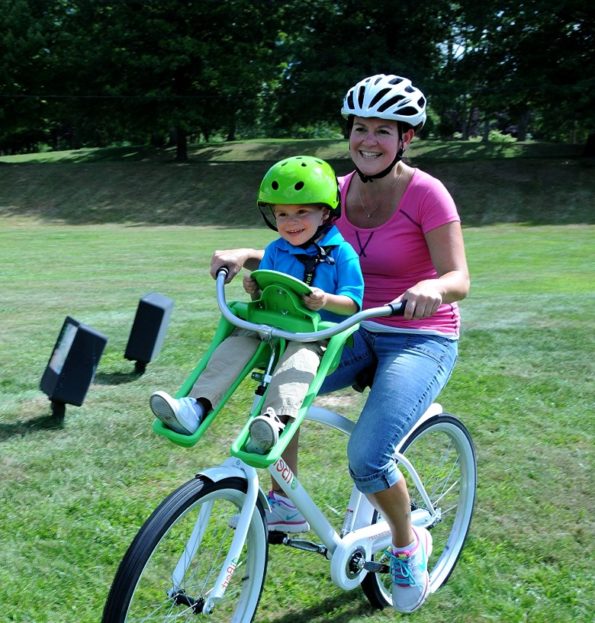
(144, 588)
(442, 453)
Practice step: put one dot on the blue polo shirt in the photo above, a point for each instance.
(343, 277)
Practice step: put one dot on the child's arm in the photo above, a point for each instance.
(251, 287)
(334, 303)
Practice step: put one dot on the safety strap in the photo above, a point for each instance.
(311, 262)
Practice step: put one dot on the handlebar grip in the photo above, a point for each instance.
(398, 309)
(224, 270)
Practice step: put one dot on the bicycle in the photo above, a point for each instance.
(204, 550)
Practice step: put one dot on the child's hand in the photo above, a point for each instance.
(315, 301)
(250, 286)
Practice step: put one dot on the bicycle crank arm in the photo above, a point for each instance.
(281, 538)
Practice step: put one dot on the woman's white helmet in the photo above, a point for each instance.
(387, 97)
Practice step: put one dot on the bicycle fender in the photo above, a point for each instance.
(434, 409)
(233, 468)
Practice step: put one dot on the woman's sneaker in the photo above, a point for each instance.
(283, 516)
(182, 415)
(409, 572)
(264, 432)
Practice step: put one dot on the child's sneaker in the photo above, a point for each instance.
(284, 516)
(180, 414)
(264, 432)
(409, 572)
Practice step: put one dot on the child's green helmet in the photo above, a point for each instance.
(299, 180)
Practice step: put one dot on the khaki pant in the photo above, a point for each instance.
(292, 376)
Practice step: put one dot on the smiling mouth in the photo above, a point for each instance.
(369, 155)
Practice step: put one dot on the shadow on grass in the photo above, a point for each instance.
(320, 612)
(553, 191)
(41, 423)
(116, 378)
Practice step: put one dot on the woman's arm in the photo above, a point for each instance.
(235, 260)
(447, 251)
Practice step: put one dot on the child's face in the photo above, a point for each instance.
(298, 223)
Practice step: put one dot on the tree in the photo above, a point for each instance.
(526, 61)
(329, 45)
(23, 57)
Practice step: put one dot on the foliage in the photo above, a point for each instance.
(86, 73)
(521, 64)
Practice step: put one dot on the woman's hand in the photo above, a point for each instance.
(234, 260)
(423, 300)
(316, 300)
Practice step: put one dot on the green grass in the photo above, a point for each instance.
(73, 495)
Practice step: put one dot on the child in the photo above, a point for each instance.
(301, 196)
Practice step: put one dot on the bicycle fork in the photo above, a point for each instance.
(229, 468)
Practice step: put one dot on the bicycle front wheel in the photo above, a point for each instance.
(441, 451)
(172, 564)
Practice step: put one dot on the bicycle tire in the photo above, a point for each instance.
(142, 588)
(441, 451)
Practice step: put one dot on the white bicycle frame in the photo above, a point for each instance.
(359, 537)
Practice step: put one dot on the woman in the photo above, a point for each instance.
(404, 225)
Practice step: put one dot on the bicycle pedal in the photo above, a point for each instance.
(376, 567)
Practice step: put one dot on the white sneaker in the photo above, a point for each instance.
(182, 415)
(284, 516)
(409, 572)
(264, 432)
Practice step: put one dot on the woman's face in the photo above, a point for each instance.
(373, 143)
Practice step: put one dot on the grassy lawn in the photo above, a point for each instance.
(73, 494)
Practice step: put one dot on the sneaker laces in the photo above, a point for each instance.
(400, 568)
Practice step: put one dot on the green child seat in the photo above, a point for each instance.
(279, 306)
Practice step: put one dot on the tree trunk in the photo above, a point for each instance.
(522, 125)
(231, 130)
(486, 130)
(589, 150)
(181, 145)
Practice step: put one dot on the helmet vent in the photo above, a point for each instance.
(408, 110)
(379, 96)
(275, 185)
(391, 102)
(360, 96)
(299, 185)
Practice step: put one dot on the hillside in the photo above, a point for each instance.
(491, 184)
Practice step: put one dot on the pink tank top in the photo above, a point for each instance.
(395, 255)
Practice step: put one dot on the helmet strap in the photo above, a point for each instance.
(269, 223)
(319, 234)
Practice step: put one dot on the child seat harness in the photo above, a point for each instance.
(311, 262)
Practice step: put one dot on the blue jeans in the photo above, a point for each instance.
(411, 371)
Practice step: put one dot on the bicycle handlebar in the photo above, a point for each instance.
(267, 331)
